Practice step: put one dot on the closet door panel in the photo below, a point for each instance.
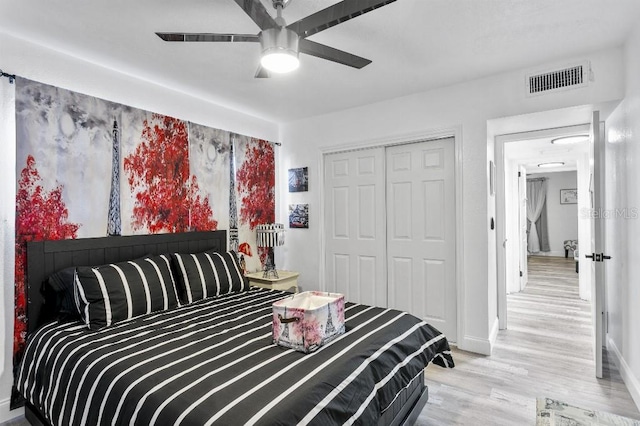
(421, 236)
(355, 225)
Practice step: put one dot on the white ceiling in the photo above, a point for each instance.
(415, 45)
(531, 152)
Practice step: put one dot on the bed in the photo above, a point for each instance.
(212, 361)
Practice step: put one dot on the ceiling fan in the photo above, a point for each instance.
(281, 43)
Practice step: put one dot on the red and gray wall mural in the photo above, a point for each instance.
(87, 167)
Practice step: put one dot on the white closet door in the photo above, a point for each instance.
(421, 232)
(355, 226)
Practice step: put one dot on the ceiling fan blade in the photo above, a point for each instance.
(188, 37)
(262, 73)
(257, 13)
(334, 15)
(329, 53)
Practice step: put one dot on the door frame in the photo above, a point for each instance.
(598, 236)
(522, 227)
(454, 132)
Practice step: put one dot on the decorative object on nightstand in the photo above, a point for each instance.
(270, 235)
(244, 250)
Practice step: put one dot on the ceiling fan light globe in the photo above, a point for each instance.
(280, 61)
(279, 50)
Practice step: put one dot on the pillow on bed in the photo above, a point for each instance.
(207, 274)
(119, 291)
(62, 283)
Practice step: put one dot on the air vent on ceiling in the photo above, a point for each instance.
(573, 76)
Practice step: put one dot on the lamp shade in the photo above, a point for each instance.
(270, 235)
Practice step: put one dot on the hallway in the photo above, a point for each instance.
(546, 352)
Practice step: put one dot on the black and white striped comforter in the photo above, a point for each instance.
(213, 362)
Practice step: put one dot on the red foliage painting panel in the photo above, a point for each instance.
(167, 198)
(40, 215)
(256, 186)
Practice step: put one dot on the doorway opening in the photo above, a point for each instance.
(547, 290)
(591, 201)
(542, 204)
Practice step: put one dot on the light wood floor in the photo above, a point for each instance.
(545, 352)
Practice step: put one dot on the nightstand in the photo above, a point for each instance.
(287, 281)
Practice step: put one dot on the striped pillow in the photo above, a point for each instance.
(207, 274)
(116, 292)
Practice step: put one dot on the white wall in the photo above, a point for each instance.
(466, 107)
(623, 226)
(31, 61)
(561, 218)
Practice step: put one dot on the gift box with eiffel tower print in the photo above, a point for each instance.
(306, 321)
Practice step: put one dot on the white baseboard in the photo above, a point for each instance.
(475, 344)
(632, 382)
(6, 414)
(480, 345)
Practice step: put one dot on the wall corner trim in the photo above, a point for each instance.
(474, 344)
(632, 382)
(493, 335)
(480, 345)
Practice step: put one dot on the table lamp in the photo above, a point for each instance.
(270, 235)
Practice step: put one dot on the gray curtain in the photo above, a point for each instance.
(538, 236)
(543, 230)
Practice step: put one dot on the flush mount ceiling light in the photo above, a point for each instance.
(568, 140)
(551, 164)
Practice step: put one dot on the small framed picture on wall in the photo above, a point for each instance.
(299, 216)
(299, 179)
(568, 196)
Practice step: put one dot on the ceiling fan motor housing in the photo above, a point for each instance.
(279, 40)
